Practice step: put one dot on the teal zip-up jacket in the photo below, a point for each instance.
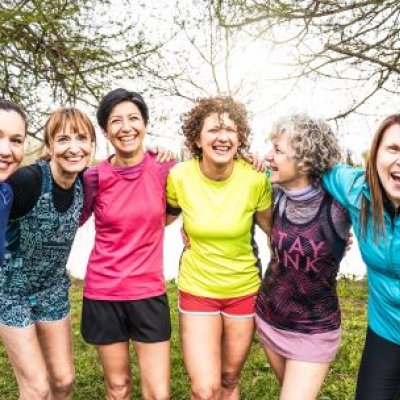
(382, 257)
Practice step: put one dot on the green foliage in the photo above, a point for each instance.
(365, 156)
(257, 380)
(64, 51)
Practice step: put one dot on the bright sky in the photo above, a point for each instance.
(255, 69)
(258, 69)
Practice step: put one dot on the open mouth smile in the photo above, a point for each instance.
(395, 176)
(4, 164)
(128, 139)
(74, 159)
(221, 150)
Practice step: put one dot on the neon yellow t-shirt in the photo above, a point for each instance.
(218, 218)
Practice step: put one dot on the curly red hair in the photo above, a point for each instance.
(193, 120)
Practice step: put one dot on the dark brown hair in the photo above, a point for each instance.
(113, 98)
(193, 121)
(8, 105)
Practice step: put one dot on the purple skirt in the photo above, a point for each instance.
(313, 348)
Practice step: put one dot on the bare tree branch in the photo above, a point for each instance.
(355, 40)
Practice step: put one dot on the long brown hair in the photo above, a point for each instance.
(374, 183)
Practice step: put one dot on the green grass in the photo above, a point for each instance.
(257, 380)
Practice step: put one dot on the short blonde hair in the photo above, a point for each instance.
(68, 116)
(316, 148)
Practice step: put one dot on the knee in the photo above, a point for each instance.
(37, 390)
(63, 385)
(209, 392)
(159, 393)
(119, 388)
(156, 396)
(229, 380)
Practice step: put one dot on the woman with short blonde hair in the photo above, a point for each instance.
(35, 323)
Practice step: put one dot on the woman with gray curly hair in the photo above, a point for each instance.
(297, 309)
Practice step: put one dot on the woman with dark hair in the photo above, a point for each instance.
(373, 200)
(35, 324)
(13, 128)
(124, 293)
(220, 197)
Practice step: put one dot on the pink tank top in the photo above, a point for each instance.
(126, 262)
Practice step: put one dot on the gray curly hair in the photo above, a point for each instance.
(316, 148)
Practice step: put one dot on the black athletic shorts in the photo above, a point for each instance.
(105, 322)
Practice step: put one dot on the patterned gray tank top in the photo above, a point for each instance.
(38, 244)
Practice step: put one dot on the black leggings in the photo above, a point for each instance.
(379, 373)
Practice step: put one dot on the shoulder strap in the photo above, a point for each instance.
(46, 176)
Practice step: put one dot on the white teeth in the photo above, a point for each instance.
(128, 139)
(395, 176)
(73, 159)
(221, 148)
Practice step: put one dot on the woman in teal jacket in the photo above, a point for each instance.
(373, 200)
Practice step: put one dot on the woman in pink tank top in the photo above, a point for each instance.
(124, 293)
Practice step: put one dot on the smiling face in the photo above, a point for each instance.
(12, 138)
(218, 139)
(126, 129)
(70, 151)
(284, 169)
(388, 163)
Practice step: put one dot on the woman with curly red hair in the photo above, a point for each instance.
(220, 197)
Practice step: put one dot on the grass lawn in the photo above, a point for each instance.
(257, 381)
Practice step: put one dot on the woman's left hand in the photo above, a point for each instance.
(185, 238)
(349, 242)
(163, 155)
(257, 162)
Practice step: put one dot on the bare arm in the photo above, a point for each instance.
(264, 219)
(90, 189)
(170, 218)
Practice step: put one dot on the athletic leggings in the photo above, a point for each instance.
(379, 373)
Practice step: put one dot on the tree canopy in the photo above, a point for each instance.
(356, 41)
(64, 51)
